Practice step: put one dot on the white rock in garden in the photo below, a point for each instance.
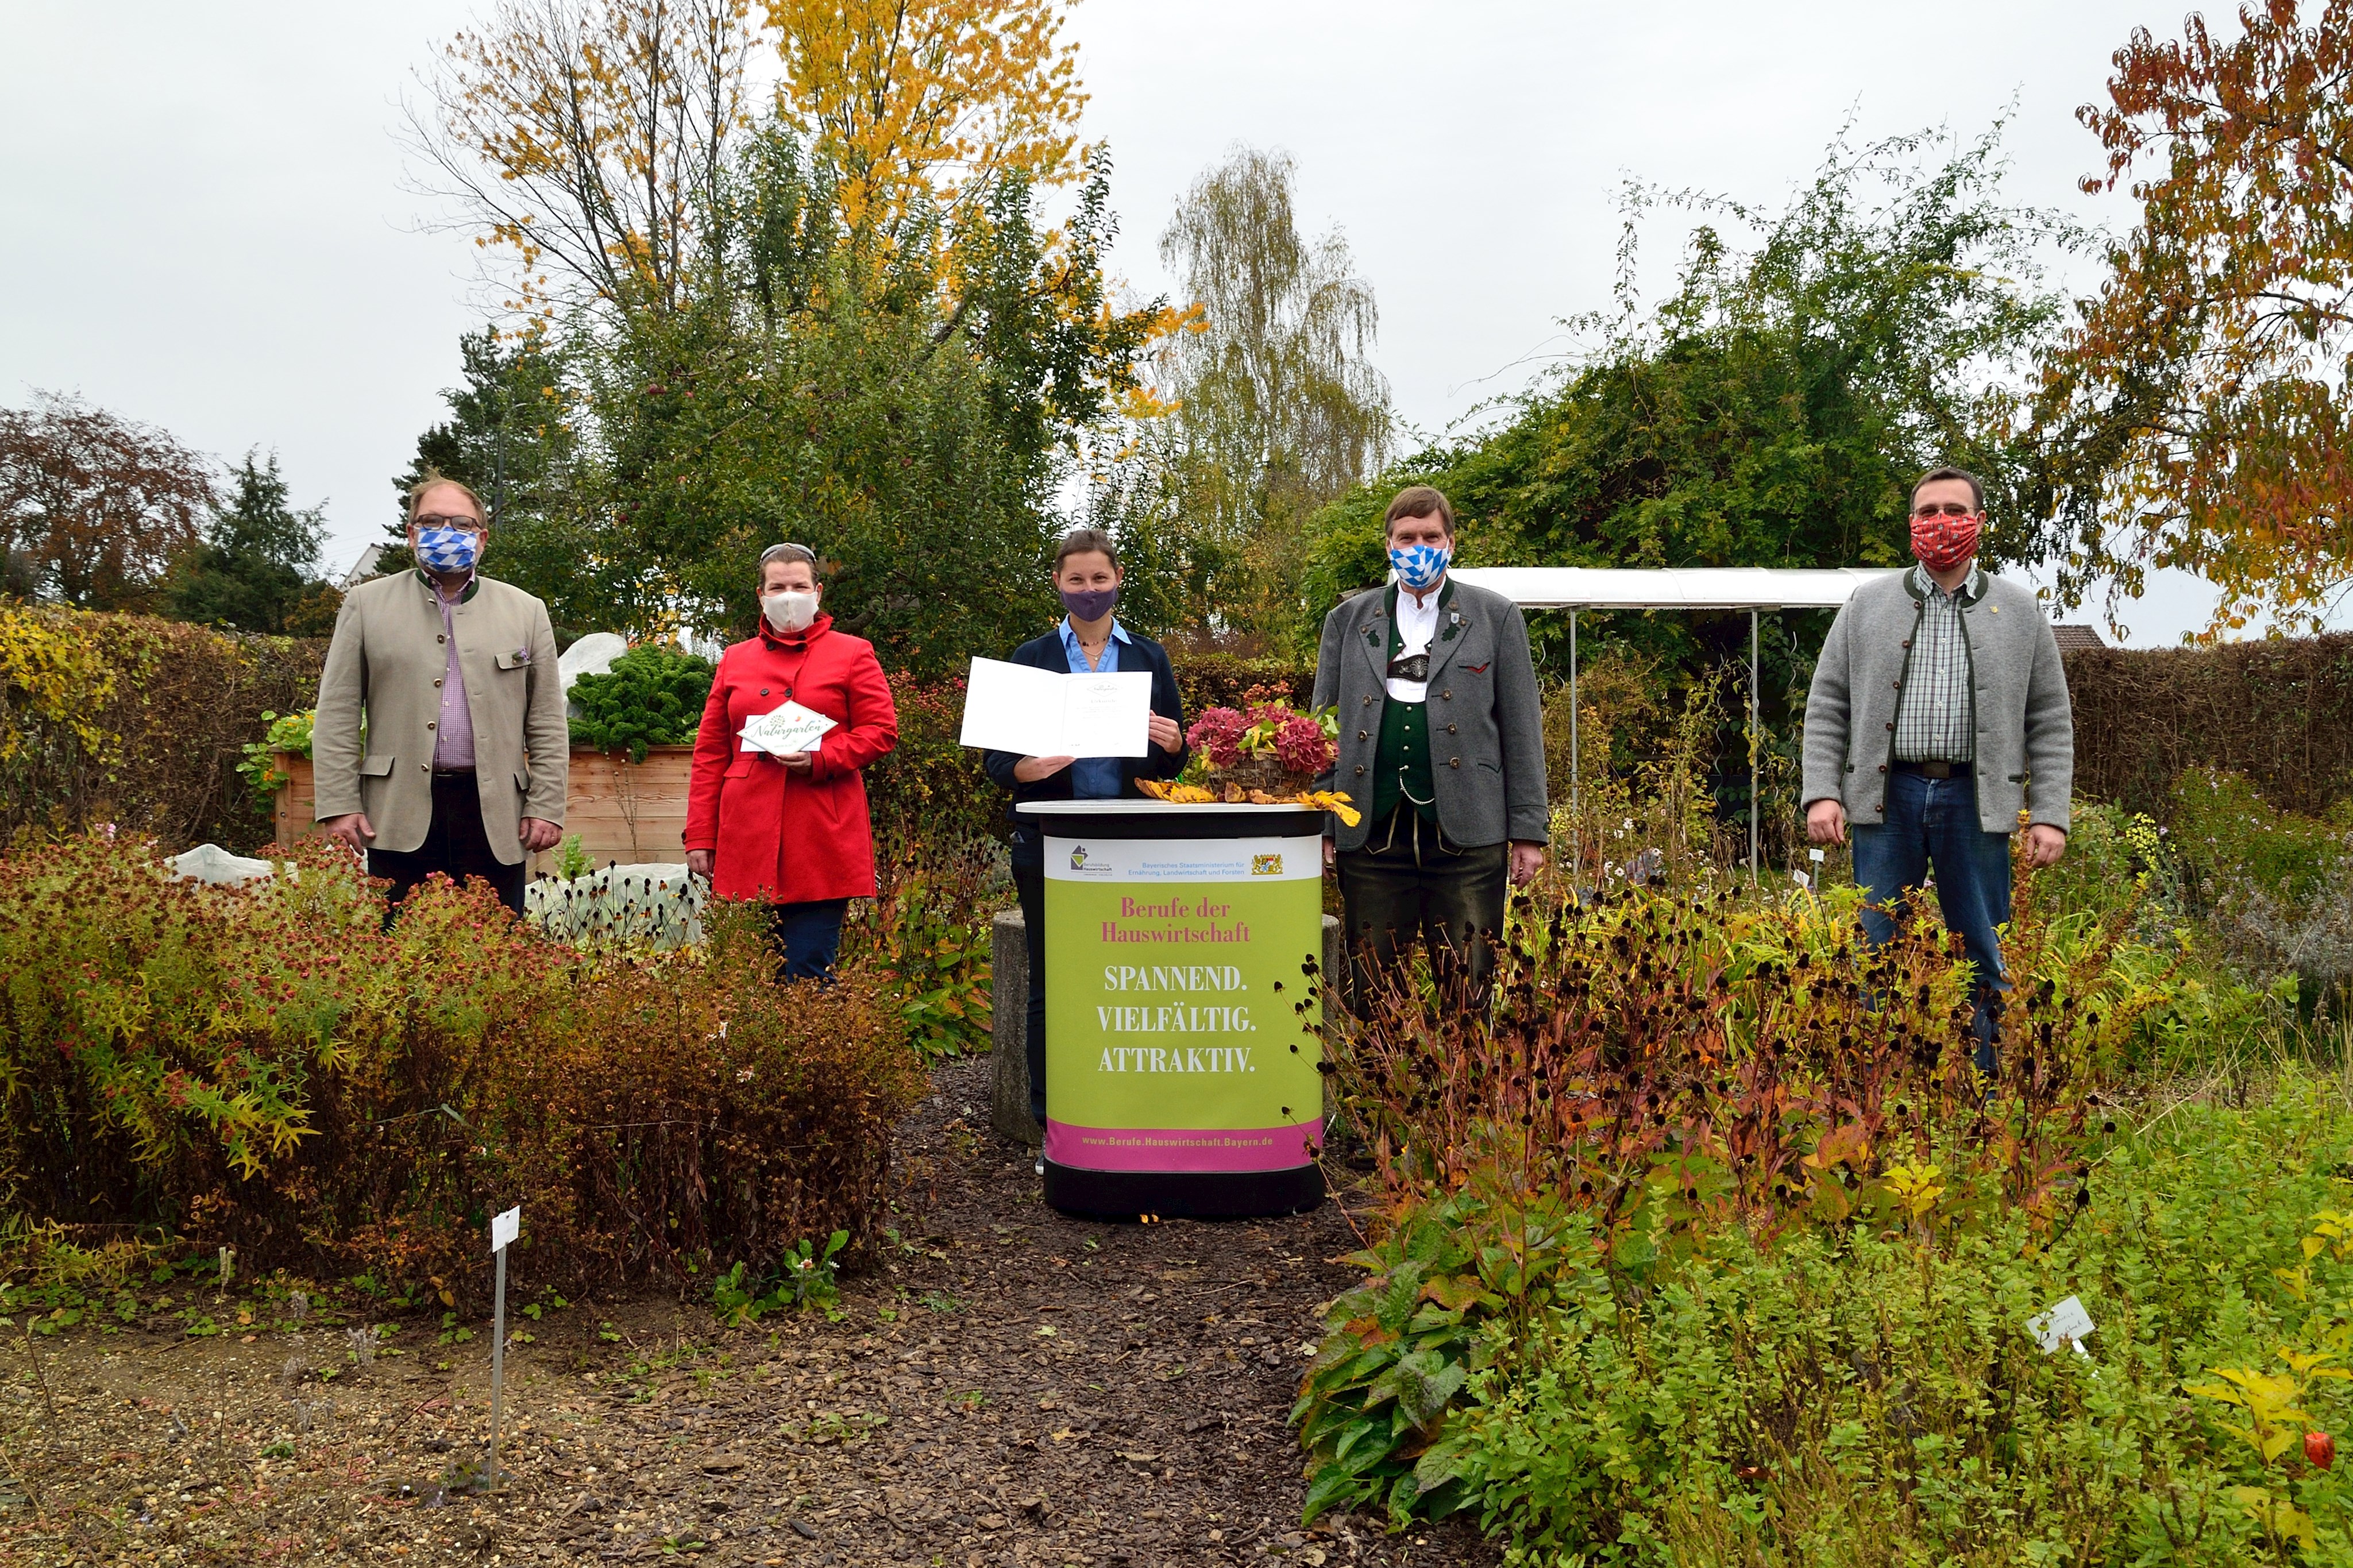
(211, 863)
(592, 655)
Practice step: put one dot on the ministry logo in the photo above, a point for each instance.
(1266, 865)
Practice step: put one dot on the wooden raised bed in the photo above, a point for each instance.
(626, 811)
(622, 810)
(290, 809)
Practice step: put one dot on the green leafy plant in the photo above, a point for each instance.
(286, 733)
(806, 1276)
(1400, 1348)
(653, 696)
(929, 934)
(572, 862)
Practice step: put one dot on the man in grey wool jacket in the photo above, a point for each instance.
(1938, 716)
(1441, 748)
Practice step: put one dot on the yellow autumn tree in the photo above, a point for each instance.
(588, 138)
(917, 101)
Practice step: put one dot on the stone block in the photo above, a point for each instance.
(1008, 1077)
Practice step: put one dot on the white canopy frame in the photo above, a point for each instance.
(1755, 589)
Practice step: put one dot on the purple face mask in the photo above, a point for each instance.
(1089, 603)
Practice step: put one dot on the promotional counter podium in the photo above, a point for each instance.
(1183, 1047)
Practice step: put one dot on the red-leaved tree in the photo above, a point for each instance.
(2211, 372)
(93, 506)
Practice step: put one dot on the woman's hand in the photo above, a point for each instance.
(698, 863)
(1030, 770)
(795, 762)
(1165, 735)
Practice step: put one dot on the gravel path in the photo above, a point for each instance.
(1012, 1387)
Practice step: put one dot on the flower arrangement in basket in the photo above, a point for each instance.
(1264, 753)
(1268, 747)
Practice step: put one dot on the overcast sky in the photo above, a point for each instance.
(207, 225)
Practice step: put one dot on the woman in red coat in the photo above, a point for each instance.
(792, 830)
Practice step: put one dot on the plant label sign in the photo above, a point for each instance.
(1179, 1034)
(505, 1227)
(2065, 1324)
(788, 732)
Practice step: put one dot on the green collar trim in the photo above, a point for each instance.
(473, 584)
(1973, 588)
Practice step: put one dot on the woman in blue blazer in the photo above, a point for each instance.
(1089, 640)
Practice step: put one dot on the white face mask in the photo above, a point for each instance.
(789, 611)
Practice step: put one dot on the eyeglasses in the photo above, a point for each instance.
(459, 521)
(1950, 509)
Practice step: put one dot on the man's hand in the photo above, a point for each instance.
(539, 834)
(1826, 822)
(1165, 735)
(1528, 859)
(2044, 844)
(353, 829)
(1030, 770)
(1331, 855)
(698, 863)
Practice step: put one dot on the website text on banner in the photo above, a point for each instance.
(1176, 1037)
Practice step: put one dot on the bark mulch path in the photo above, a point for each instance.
(1013, 1387)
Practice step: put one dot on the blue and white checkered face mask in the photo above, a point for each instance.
(1420, 566)
(448, 548)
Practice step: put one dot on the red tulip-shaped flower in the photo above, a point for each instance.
(2320, 1448)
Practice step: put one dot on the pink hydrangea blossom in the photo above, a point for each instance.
(1302, 746)
(1218, 732)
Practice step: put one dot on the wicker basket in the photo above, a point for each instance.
(1259, 773)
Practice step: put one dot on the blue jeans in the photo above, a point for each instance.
(1934, 823)
(806, 937)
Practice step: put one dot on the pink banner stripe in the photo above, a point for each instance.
(1182, 1149)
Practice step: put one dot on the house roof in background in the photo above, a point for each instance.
(2074, 635)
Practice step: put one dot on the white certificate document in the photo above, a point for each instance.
(1049, 713)
(789, 729)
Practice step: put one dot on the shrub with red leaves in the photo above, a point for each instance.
(274, 1069)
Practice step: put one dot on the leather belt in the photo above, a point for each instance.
(453, 773)
(1933, 769)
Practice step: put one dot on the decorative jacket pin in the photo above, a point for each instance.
(523, 656)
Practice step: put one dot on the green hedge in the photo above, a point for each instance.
(140, 724)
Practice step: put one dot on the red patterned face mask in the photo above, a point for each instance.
(1944, 541)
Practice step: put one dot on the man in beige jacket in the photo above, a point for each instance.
(454, 677)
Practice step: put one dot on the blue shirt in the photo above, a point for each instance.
(1093, 778)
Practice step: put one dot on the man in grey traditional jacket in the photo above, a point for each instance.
(1938, 717)
(1441, 748)
(440, 742)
